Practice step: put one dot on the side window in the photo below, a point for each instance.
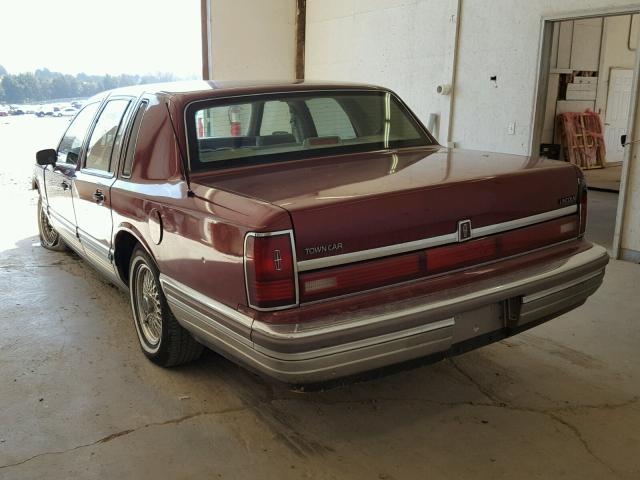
(118, 146)
(330, 118)
(104, 135)
(276, 118)
(71, 143)
(133, 138)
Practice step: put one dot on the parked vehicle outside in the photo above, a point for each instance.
(67, 112)
(310, 231)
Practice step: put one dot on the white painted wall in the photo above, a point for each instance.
(502, 37)
(406, 45)
(253, 39)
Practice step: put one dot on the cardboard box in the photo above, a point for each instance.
(581, 94)
(590, 80)
(578, 106)
(574, 87)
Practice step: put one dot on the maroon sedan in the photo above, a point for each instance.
(310, 230)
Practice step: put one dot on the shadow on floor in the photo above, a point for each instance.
(601, 218)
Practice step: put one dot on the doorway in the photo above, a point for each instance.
(617, 112)
(586, 80)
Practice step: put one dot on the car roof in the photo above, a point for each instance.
(197, 89)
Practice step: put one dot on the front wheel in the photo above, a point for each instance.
(161, 337)
(49, 237)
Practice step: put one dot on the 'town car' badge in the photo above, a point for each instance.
(464, 230)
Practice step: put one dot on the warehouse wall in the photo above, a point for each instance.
(501, 38)
(406, 45)
(253, 40)
(409, 46)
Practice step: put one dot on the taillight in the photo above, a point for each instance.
(269, 270)
(459, 255)
(582, 202)
(361, 276)
(538, 236)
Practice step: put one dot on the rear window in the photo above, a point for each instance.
(267, 128)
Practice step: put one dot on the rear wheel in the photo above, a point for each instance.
(161, 337)
(49, 237)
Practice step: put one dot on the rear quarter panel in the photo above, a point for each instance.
(202, 234)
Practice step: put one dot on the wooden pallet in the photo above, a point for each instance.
(582, 139)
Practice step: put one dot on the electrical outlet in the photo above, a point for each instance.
(511, 128)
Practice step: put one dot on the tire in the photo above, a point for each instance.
(49, 238)
(161, 337)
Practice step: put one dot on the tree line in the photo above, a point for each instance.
(43, 84)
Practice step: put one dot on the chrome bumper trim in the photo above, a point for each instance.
(550, 291)
(298, 331)
(328, 349)
(335, 260)
(321, 352)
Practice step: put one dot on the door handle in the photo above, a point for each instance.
(98, 196)
(65, 185)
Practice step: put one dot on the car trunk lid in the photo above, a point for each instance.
(377, 201)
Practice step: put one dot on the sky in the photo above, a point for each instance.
(100, 37)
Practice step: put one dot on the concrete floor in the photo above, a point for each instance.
(79, 400)
(607, 178)
(601, 217)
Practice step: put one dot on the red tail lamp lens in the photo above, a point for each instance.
(269, 271)
(455, 256)
(538, 236)
(358, 277)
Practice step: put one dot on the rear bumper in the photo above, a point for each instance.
(355, 341)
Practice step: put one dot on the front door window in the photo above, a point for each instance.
(71, 144)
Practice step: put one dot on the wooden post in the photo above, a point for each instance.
(301, 20)
(204, 29)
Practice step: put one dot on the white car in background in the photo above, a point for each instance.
(68, 112)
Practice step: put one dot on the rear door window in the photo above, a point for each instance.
(132, 140)
(103, 137)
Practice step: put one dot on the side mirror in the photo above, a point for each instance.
(623, 140)
(46, 157)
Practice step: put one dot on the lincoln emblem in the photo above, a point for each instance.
(464, 230)
(277, 260)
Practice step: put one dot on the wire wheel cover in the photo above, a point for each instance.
(49, 235)
(149, 310)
